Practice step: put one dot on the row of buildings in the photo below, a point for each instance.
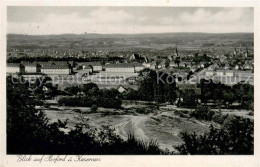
(66, 68)
(39, 67)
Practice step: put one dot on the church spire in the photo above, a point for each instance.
(235, 52)
(176, 51)
(246, 52)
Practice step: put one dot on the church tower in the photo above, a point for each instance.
(246, 54)
(235, 52)
(176, 52)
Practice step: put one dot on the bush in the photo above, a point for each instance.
(203, 113)
(94, 108)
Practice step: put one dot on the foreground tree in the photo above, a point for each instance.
(234, 137)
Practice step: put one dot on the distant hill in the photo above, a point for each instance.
(148, 35)
(158, 41)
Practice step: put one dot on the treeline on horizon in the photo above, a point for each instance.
(66, 58)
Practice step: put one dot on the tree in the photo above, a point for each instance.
(89, 86)
(189, 98)
(203, 112)
(235, 137)
(73, 90)
(177, 61)
(170, 92)
(167, 63)
(94, 108)
(39, 93)
(228, 97)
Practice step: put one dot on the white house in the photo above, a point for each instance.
(30, 67)
(229, 73)
(121, 89)
(12, 68)
(220, 72)
(86, 70)
(209, 73)
(147, 65)
(138, 67)
(97, 66)
(56, 70)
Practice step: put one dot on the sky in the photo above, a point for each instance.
(38, 20)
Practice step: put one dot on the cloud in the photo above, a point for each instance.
(206, 16)
(113, 20)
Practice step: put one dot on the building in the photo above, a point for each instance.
(229, 73)
(97, 66)
(222, 58)
(122, 68)
(31, 67)
(56, 70)
(173, 64)
(244, 74)
(209, 73)
(138, 58)
(138, 67)
(12, 68)
(220, 72)
(121, 89)
(86, 70)
(147, 65)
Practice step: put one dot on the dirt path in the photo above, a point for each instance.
(132, 125)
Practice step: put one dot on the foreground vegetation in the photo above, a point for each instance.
(234, 136)
(30, 132)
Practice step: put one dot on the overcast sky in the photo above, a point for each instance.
(127, 20)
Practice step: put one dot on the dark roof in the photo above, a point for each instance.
(137, 65)
(30, 64)
(121, 65)
(13, 65)
(88, 67)
(122, 87)
(93, 63)
(55, 67)
(49, 63)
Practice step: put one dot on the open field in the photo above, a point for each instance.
(161, 125)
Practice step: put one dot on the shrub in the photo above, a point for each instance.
(203, 113)
(94, 108)
(234, 137)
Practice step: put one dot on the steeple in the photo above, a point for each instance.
(176, 51)
(235, 52)
(246, 54)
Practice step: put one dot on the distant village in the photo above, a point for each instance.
(238, 66)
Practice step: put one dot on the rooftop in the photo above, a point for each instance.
(121, 65)
(55, 67)
(13, 65)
